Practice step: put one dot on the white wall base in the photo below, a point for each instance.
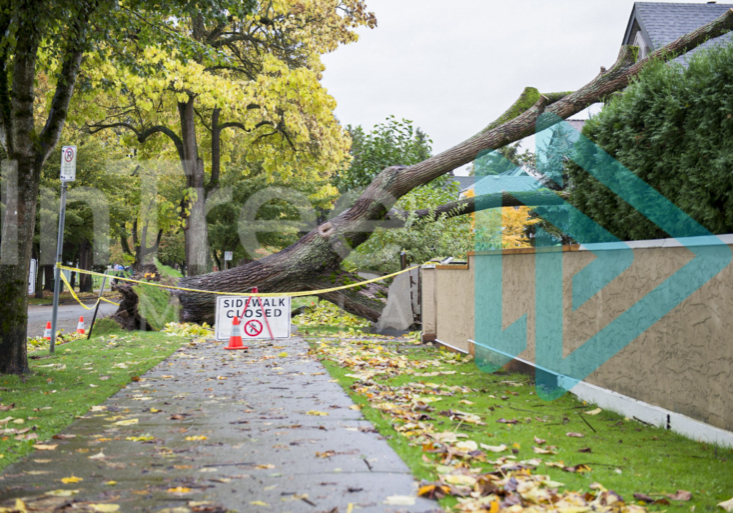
(629, 407)
(645, 412)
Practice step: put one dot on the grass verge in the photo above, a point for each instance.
(621, 454)
(66, 384)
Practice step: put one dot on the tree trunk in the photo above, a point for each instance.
(195, 228)
(48, 277)
(85, 262)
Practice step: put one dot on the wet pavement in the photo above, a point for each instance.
(68, 317)
(216, 430)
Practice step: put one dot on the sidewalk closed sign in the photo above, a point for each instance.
(254, 326)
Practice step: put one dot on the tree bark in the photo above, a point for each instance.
(27, 150)
(85, 262)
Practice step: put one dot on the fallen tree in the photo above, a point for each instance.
(313, 262)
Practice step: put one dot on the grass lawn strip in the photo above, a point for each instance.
(62, 386)
(486, 442)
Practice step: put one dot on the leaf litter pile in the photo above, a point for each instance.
(486, 442)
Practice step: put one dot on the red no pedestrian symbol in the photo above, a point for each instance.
(69, 155)
(253, 328)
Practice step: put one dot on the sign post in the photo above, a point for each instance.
(228, 256)
(32, 277)
(68, 174)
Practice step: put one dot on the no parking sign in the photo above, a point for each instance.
(260, 312)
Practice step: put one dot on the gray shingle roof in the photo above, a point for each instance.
(662, 23)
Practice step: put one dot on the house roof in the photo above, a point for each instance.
(661, 23)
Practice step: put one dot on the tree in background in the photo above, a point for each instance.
(258, 73)
(673, 128)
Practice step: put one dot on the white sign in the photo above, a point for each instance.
(32, 277)
(228, 255)
(260, 312)
(68, 164)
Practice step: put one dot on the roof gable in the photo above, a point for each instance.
(662, 23)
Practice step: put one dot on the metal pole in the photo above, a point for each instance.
(57, 274)
(96, 309)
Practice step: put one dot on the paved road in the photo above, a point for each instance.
(69, 315)
(237, 429)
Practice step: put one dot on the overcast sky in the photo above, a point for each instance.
(453, 66)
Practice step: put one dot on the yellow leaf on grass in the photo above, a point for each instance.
(62, 493)
(316, 413)
(494, 448)
(105, 508)
(110, 483)
(196, 438)
(72, 479)
(154, 410)
(459, 479)
(594, 412)
(355, 407)
(467, 446)
(259, 503)
(539, 450)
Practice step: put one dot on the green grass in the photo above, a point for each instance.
(50, 398)
(627, 456)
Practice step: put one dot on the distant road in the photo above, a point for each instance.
(68, 317)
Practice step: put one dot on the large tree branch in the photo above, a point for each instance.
(470, 205)
(524, 123)
(143, 135)
(66, 81)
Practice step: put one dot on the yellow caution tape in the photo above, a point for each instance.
(71, 289)
(269, 294)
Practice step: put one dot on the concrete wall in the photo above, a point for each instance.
(683, 363)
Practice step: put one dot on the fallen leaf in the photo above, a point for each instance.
(64, 437)
(110, 483)
(586, 449)
(494, 448)
(467, 446)
(129, 422)
(727, 505)
(594, 412)
(282, 355)
(259, 503)
(178, 489)
(7, 407)
(400, 500)
(326, 454)
(18, 508)
(580, 469)
(99, 408)
(575, 435)
(539, 450)
(105, 508)
(266, 466)
(144, 438)
(62, 493)
(460, 479)
(44, 447)
(316, 413)
(539, 441)
(643, 497)
(72, 479)
(681, 495)
(196, 438)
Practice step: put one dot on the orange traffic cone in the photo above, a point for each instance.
(235, 339)
(80, 327)
(47, 331)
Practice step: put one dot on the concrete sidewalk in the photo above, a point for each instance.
(265, 448)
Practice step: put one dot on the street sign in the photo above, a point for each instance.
(32, 277)
(254, 324)
(228, 256)
(68, 164)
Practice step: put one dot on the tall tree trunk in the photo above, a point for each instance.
(85, 262)
(195, 228)
(48, 277)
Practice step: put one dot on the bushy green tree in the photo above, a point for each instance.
(673, 128)
(394, 142)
